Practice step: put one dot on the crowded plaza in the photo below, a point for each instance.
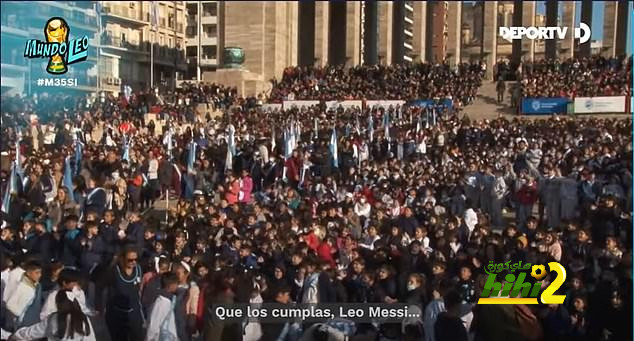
(134, 228)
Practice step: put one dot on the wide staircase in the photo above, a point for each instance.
(486, 106)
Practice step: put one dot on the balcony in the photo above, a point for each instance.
(14, 27)
(126, 15)
(121, 45)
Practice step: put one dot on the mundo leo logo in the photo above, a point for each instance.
(57, 48)
(514, 289)
(545, 33)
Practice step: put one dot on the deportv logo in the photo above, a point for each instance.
(545, 33)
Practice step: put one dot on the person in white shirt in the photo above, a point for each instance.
(68, 323)
(68, 280)
(162, 321)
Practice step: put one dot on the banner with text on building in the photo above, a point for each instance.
(544, 106)
(588, 105)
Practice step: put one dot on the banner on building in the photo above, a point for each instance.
(588, 105)
(544, 106)
(300, 103)
(383, 103)
(444, 103)
(334, 105)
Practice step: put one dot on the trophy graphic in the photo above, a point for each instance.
(56, 31)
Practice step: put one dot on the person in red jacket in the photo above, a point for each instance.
(526, 196)
(233, 190)
(293, 166)
(325, 251)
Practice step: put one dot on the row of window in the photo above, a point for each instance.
(207, 52)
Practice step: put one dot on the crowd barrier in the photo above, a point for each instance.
(333, 105)
(423, 103)
(447, 103)
(544, 106)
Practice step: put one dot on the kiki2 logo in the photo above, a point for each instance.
(515, 291)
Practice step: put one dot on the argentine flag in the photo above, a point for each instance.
(333, 148)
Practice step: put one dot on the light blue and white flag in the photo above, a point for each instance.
(68, 179)
(154, 14)
(167, 141)
(126, 149)
(79, 153)
(333, 148)
(371, 127)
(12, 188)
(191, 156)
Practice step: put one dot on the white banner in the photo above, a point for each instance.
(333, 105)
(271, 107)
(305, 103)
(383, 103)
(587, 105)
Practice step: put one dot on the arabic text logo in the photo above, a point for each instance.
(516, 289)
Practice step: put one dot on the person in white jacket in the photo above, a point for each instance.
(68, 323)
(162, 321)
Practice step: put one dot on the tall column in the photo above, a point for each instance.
(454, 38)
(528, 19)
(615, 28)
(516, 49)
(337, 33)
(322, 21)
(586, 18)
(306, 33)
(353, 33)
(420, 31)
(490, 36)
(371, 33)
(552, 7)
(385, 32)
(620, 43)
(398, 35)
(568, 43)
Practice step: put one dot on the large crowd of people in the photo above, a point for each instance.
(577, 77)
(144, 225)
(400, 82)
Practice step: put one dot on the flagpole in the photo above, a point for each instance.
(152, 58)
(98, 6)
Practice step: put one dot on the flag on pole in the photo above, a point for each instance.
(79, 152)
(272, 139)
(357, 125)
(371, 128)
(68, 178)
(167, 140)
(386, 125)
(419, 124)
(333, 148)
(316, 128)
(6, 200)
(288, 144)
(154, 15)
(126, 149)
(191, 159)
(231, 148)
(12, 188)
